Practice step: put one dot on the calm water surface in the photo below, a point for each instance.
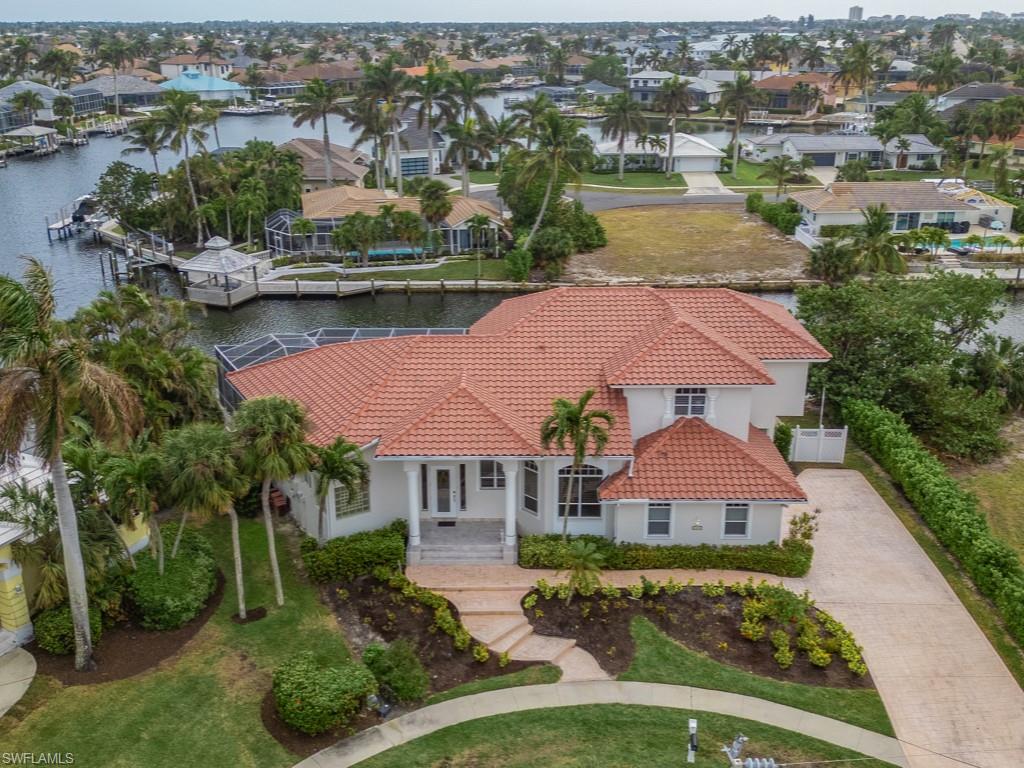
(31, 189)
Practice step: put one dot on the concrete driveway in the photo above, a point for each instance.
(951, 699)
(704, 183)
(824, 174)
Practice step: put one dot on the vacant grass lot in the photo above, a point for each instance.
(603, 736)
(668, 242)
(660, 659)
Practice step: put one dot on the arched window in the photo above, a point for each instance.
(583, 501)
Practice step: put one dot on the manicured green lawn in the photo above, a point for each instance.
(894, 175)
(746, 176)
(659, 659)
(999, 493)
(602, 736)
(529, 676)
(463, 269)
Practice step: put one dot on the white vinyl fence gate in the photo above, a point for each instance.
(818, 445)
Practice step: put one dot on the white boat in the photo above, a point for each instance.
(244, 110)
(508, 82)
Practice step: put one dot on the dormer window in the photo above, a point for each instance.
(691, 401)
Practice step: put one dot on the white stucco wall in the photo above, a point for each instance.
(695, 164)
(785, 398)
(651, 408)
(697, 523)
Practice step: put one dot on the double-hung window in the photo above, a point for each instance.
(659, 520)
(737, 521)
(530, 484)
(583, 499)
(691, 401)
(492, 475)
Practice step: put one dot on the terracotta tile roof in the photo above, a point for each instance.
(786, 82)
(347, 164)
(691, 460)
(515, 361)
(339, 202)
(848, 196)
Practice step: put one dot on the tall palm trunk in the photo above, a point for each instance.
(380, 162)
(328, 171)
(248, 229)
(177, 537)
(268, 523)
(156, 542)
(543, 206)
(622, 157)
(74, 567)
(398, 156)
(195, 198)
(568, 501)
(156, 164)
(430, 144)
(236, 549)
(321, 519)
(465, 173)
(736, 147)
(117, 94)
(671, 146)
(124, 545)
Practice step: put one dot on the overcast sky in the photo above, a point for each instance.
(472, 10)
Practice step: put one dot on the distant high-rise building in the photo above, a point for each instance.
(810, 19)
(856, 13)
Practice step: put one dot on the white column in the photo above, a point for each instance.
(712, 414)
(412, 485)
(511, 500)
(669, 414)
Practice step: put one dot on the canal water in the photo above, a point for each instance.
(31, 189)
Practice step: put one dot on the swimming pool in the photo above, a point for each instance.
(959, 242)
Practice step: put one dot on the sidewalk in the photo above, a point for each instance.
(429, 719)
(17, 669)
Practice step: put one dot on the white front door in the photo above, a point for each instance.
(444, 491)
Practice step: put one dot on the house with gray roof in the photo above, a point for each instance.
(132, 91)
(831, 150)
(977, 92)
(414, 152)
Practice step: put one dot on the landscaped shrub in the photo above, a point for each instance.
(56, 634)
(170, 600)
(346, 557)
(398, 670)
(444, 619)
(783, 216)
(783, 438)
(518, 264)
(792, 558)
(950, 511)
(754, 202)
(314, 699)
(838, 230)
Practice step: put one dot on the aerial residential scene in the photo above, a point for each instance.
(495, 387)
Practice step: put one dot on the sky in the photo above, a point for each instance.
(473, 10)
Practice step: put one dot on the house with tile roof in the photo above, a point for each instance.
(450, 423)
(348, 166)
(778, 89)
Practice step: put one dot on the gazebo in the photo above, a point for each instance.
(214, 268)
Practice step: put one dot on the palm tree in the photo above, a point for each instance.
(64, 108)
(358, 232)
(530, 111)
(317, 102)
(997, 162)
(562, 149)
(115, 53)
(305, 229)
(857, 66)
(369, 119)
(584, 563)
(478, 224)
(998, 363)
(252, 202)
(430, 93)
(340, 462)
(584, 430)
(210, 47)
(202, 478)
(181, 120)
(467, 90)
(941, 71)
(386, 84)
(407, 226)
(673, 98)
(623, 117)
(131, 481)
(738, 97)
(254, 79)
(271, 435)
(28, 102)
(146, 136)
(558, 60)
(875, 244)
(435, 203)
(779, 169)
(466, 140)
(833, 261)
(46, 377)
(503, 133)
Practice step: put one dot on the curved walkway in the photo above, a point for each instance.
(17, 668)
(433, 718)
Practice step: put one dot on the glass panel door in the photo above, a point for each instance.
(444, 491)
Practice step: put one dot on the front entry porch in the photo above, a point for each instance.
(461, 541)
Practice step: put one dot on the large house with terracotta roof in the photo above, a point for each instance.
(449, 423)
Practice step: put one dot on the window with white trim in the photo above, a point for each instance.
(531, 481)
(659, 520)
(347, 504)
(583, 500)
(737, 521)
(691, 401)
(492, 474)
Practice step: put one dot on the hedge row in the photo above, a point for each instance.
(315, 698)
(170, 600)
(792, 558)
(783, 216)
(346, 557)
(951, 512)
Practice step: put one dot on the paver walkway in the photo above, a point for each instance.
(944, 686)
(429, 719)
(488, 598)
(17, 668)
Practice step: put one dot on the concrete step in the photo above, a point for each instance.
(459, 558)
(480, 549)
(535, 647)
(491, 601)
(512, 638)
(577, 665)
(489, 628)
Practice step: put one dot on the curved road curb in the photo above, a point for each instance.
(454, 711)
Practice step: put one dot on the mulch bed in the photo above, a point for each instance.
(393, 616)
(126, 649)
(708, 625)
(302, 744)
(251, 615)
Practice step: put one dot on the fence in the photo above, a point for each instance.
(805, 237)
(818, 445)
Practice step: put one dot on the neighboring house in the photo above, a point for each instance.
(899, 70)
(691, 153)
(874, 102)
(644, 85)
(450, 424)
(176, 66)
(348, 166)
(206, 87)
(11, 119)
(778, 90)
(831, 150)
(347, 74)
(132, 91)
(729, 75)
(414, 154)
(976, 92)
(1016, 144)
(596, 88)
(328, 208)
(911, 204)
(85, 102)
(575, 65)
(704, 93)
(919, 153)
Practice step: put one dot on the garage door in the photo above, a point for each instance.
(823, 158)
